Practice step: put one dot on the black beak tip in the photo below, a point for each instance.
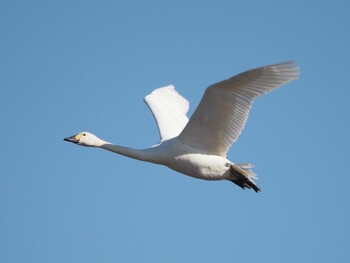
(71, 139)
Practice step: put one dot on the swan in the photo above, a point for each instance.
(198, 146)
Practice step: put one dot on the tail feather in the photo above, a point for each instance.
(242, 174)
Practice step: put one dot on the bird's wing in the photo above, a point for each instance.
(222, 113)
(169, 109)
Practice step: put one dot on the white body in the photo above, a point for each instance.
(179, 157)
(198, 147)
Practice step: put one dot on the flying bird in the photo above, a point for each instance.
(198, 146)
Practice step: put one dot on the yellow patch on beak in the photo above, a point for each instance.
(78, 136)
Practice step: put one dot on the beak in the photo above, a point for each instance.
(71, 139)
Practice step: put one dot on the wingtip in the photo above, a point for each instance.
(288, 68)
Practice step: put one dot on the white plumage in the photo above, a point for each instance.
(169, 109)
(198, 147)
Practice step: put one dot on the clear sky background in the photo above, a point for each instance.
(70, 66)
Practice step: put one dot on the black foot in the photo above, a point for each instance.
(242, 181)
(248, 184)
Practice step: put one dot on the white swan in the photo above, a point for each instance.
(198, 147)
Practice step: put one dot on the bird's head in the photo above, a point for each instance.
(85, 139)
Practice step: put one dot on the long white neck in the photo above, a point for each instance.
(148, 155)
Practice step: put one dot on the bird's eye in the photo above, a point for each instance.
(84, 134)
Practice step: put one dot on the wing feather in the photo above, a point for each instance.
(223, 111)
(169, 109)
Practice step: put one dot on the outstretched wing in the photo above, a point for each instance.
(169, 109)
(222, 113)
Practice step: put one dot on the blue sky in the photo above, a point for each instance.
(69, 66)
